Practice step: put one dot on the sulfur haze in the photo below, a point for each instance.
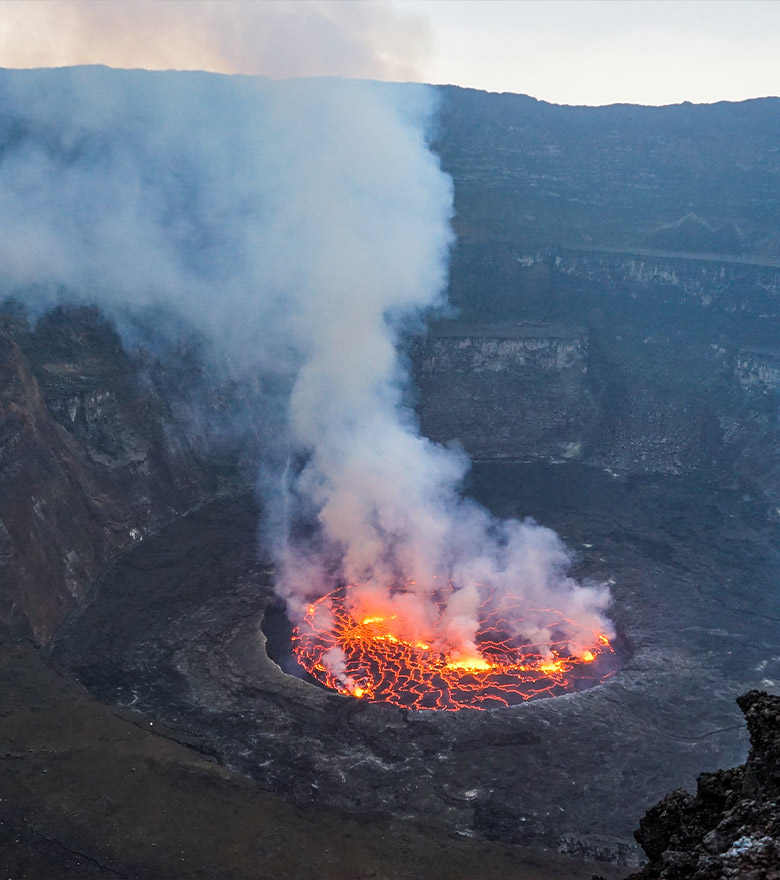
(299, 227)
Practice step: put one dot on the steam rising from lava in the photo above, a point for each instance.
(301, 227)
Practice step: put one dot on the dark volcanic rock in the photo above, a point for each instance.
(731, 827)
(632, 362)
(525, 388)
(692, 234)
(762, 770)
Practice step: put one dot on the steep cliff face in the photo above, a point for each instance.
(721, 286)
(676, 369)
(653, 228)
(506, 392)
(93, 459)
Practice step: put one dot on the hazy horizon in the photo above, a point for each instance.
(570, 52)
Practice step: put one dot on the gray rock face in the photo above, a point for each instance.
(636, 363)
(506, 392)
(731, 827)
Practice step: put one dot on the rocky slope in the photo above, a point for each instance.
(97, 449)
(731, 827)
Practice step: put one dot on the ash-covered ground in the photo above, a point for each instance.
(174, 631)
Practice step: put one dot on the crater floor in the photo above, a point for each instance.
(174, 632)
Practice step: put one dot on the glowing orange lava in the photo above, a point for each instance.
(365, 658)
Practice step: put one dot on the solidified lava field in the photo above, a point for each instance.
(175, 631)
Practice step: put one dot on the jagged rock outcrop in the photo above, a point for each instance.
(731, 827)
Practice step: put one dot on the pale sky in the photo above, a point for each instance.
(606, 51)
(564, 51)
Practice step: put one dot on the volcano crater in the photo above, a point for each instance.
(176, 630)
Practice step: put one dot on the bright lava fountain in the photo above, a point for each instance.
(365, 655)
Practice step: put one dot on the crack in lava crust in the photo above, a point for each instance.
(362, 657)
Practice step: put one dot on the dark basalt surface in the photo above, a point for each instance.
(89, 790)
(175, 632)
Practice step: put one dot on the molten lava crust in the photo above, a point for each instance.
(364, 655)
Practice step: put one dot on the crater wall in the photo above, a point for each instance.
(97, 450)
(639, 363)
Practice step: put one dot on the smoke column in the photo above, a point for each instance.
(300, 227)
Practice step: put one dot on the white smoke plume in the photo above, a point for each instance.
(300, 227)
